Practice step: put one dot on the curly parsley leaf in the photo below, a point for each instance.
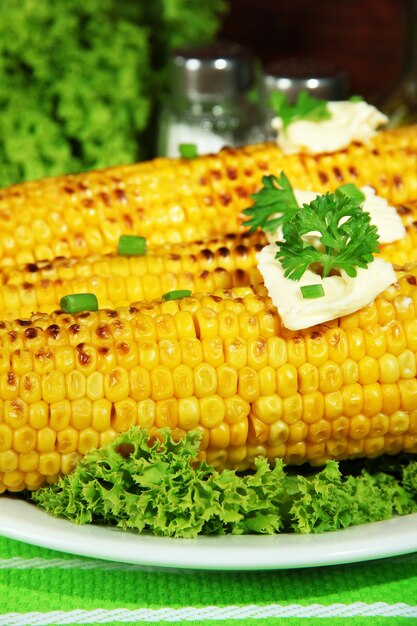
(345, 239)
(306, 107)
(274, 204)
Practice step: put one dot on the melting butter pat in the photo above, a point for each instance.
(343, 295)
(350, 121)
(383, 215)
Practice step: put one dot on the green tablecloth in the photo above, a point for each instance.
(39, 586)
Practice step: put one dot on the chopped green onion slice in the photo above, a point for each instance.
(350, 190)
(130, 245)
(77, 302)
(309, 292)
(188, 150)
(356, 99)
(176, 295)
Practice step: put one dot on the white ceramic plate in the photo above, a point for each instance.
(25, 522)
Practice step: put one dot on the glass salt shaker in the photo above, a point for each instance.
(209, 104)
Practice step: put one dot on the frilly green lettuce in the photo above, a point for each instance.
(156, 485)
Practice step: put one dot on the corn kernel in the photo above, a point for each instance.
(124, 417)
(188, 413)
(146, 413)
(308, 378)
(15, 413)
(67, 440)
(313, 407)
(220, 437)
(368, 370)
(205, 380)
(87, 440)
(268, 408)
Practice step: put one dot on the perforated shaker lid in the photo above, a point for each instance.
(319, 78)
(220, 70)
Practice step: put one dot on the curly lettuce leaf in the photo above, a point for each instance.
(157, 486)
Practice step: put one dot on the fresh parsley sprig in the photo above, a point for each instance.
(306, 107)
(347, 239)
(274, 204)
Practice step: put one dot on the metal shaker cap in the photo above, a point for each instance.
(211, 72)
(319, 78)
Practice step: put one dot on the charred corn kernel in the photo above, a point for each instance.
(296, 350)
(326, 393)
(15, 413)
(31, 388)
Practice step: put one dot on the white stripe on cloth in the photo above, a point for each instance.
(209, 613)
(18, 562)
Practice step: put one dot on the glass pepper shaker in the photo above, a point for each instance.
(290, 76)
(209, 104)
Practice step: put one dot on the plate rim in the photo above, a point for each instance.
(23, 521)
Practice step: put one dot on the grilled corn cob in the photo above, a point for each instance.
(220, 363)
(217, 263)
(205, 265)
(183, 200)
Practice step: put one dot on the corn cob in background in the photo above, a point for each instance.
(217, 263)
(206, 265)
(219, 363)
(184, 200)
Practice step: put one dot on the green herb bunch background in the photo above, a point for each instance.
(80, 79)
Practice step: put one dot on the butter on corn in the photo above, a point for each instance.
(218, 363)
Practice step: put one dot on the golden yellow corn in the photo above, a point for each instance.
(217, 263)
(219, 363)
(183, 200)
(205, 265)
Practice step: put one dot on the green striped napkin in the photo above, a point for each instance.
(39, 587)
